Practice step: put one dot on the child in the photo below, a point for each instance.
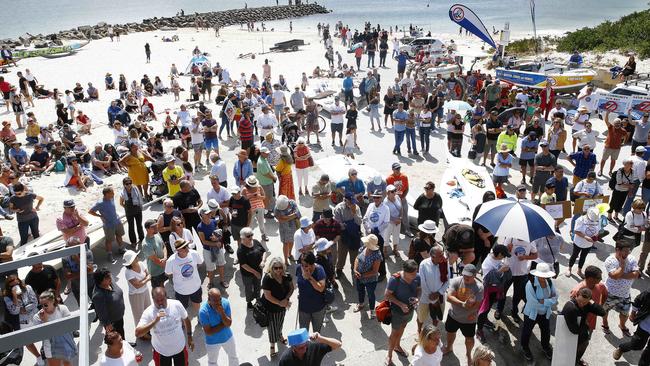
(373, 108)
(351, 115)
(348, 147)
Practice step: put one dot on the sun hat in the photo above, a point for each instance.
(593, 214)
(396, 166)
(377, 194)
(305, 222)
(204, 211)
(282, 202)
(180, 244)
(640, 149)
(504, 148)
(213, 204)
(390, 188)
(428, 227)
(297, 337)
(371, 242)
(252, 181)
(377, 180)
(469, 270)
(235, 190)
(264, 150)
(68, 203)
(323, 244)
(542, 270)
(129, 257)
(169, 159)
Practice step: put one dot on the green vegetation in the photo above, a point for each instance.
(526, 46)
(631, 32)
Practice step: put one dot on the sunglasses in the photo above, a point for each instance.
(428, 188)
(248, 236)
(277, 268)
(128, 184)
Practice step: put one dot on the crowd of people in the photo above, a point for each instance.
(352, 221)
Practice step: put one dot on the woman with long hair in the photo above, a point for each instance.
(137, 170)
(178, 231)
(21, 304)
(61, 349)
(285, 172)
(428, 350)
(131, 200)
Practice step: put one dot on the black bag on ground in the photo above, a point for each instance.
(260, 315)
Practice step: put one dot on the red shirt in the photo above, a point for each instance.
(302, 150)
(598, 294)
(245, 130)
(358, 52)
(615, 137)
(401, 182)
(5, 87)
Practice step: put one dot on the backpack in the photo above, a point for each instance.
(612, 181)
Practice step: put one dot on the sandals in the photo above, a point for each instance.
(273, 352)
(626, 332)
(400, 352)
(606, 329)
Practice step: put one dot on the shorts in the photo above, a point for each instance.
(526, 162)
(539, 181)
(491, 146)
(211, 262)
(6, 95)
(401, 69)
(198, 147)
(610, 153)
(111, 232)
(424, 313)
(277, 108)
(440, 112)
(185, 299)
(206, 86)
(500, 179)
(399, 319)
(620, 304)
(211, 143)
(336, 127)
(452, 326)
(71, 107)
(235, 231)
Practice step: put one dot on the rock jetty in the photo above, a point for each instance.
(211, 19)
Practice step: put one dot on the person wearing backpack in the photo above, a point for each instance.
(585, 233)
(640, 315)
(635, 221)
(620, 183)
(541, 296)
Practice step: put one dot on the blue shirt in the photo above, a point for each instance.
(402, 116)
(356, 187)
(107, 209)
(530, 144)
(401, 60)
(20, 155)
(241, 171)
(561, 187)
(583, 164)
(207, 230)
(348, 84)
(501, 171)
(310, 300)
(209, 316)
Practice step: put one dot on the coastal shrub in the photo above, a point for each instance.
(629, 33)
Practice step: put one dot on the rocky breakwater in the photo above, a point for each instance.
(211, 19)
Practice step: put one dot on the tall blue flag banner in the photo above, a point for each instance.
(466, 18)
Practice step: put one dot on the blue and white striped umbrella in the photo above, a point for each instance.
(514, 219)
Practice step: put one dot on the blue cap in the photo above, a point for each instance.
(350, 196)
(297, 337)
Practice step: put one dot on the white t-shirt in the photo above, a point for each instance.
(634, 220)
(586, 138)
(120, 135)
(278, 97)
(185, 273)
(491, 264)
(196, 133)
(589, 228)
(425, 118)
(185, 118)
(302, 239)
(519, 248)
(225, 76)
(421, 358)
(167, 336)
(133, 275)
(187, 236)
(267, 121)
(337, 118)
(221, 196)
(60, 312)
(127, 359)
(620, 287)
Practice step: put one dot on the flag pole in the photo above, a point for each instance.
(532, 15)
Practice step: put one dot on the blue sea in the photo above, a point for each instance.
(46, 16)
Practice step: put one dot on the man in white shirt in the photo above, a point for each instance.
(266, 122)
(638, 168)
(297, 100)
(167, 321)
(586, 137)
(558, 109)
(377, 216)
(219, 194)
(303, 239)
(278, 100)
(182, 267)
(522, 252)
(434, 286)
(337, 112)
(219, 169)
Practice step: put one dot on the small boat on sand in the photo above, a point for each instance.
(54, 50)
(532, 74)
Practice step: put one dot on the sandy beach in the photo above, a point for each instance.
(127, 57)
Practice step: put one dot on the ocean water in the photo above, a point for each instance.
(46, 16)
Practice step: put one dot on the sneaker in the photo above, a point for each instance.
(110, 259)
(528, 355)
(229, 249)
(497, 315)
(516, 318)
(488, 324)
(121, 250)
(617, 353)
(548, 353)
(331, 309)
(249, 305)
(339, 274)
(372, 314)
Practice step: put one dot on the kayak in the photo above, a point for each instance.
(48, 51)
